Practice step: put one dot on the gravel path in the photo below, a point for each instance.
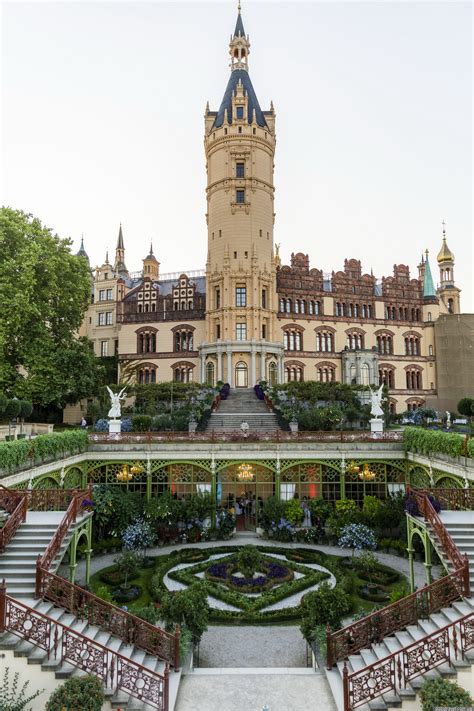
(400, 564)
(246, 646)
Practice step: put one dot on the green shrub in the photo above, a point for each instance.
(18, 452)
(417, 439)
(104, 593)
(83, 693)
(273, 510)
(13, 698)
(399, 592)
(294, 514)
(320, 509)
(323, 606)
(141, 423)
(188, 606)
(248, 560)
(443, 693)
(149, 613)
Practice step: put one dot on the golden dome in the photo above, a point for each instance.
(445, 254)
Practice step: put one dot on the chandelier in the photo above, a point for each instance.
(245, 472)
(366, 474)
(125, 474)
(353, 468)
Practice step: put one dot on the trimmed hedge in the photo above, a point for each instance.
(417, 439)
(18, 452)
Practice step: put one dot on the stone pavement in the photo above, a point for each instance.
(229, 690)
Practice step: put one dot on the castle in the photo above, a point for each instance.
(247, 316)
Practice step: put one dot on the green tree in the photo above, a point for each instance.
(45, 292)
(325, 606)
(12, 697)
(187, 607)
(466, 407)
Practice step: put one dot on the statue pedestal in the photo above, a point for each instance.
(115, 426)
(376, 426)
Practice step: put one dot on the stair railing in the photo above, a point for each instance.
(420, 604)
(396, 670)
(14, 503)
(48, 586)
(67, 645)
(454, 499)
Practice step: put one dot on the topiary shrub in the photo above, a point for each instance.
(84, 693)
(436, 693)
(325, 606)
(248, 560)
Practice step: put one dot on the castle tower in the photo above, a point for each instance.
(448, 292)
(119, 266)
(151, 266)
(242, 341)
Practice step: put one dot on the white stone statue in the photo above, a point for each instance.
(244, 428)
(115, 398)
(376, 398)
(448, 419)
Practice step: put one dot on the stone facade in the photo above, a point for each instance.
(248, 317)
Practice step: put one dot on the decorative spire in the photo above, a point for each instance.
(239, 25)
(239, 47)
(429, 290)
(445, 254)
(120, 244)
(119, 265)
(107, 257)
(82, 252)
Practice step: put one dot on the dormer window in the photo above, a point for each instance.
(239, 112)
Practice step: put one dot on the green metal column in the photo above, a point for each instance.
(89, 549)
(73, 557)
(428, 563)
(213, 491)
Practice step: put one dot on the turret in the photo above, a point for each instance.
(151, 266)
(447, 290)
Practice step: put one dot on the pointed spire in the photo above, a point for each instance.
(239, 25)
(107, 257)
(429, 290)
(120, 244)
(445, 254)
(82, 252)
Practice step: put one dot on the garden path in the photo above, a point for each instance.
(400, 564)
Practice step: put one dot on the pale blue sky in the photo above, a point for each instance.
(103, 122)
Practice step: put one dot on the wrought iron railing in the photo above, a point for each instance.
(64, 644)
(154, 640)
(422, 603)
(395, 671)
(454, 499)
(238, 436)
(15, 504)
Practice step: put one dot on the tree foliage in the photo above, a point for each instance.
(45, 292)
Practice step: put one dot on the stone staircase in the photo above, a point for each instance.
(242, 405)
(18, 569)
(460, 526)
(395, 643)
(18, 562)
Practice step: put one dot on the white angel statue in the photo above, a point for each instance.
(115, 398)
(376, 398)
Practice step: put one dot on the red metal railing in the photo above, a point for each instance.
(16, 504)
(408, 610)
(395, 671)
(451, 499)
(85, 605)
(65, 644)
(77, 601)
(237, 436)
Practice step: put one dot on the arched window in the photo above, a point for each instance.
(297, 306)
(292, 339)
(324, 341)
(303, 306)
(414, 379)
(451, 306)
(387, 376)
(311, 307)
(146, 340)
(146, 374)
(365, 374)
(282, 305)
(288, 306)
(272, 373)
(241, 375)
(430, 350)
(210, 374)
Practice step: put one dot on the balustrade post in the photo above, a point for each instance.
(3, 605)
(177, 635)
(345, 688)
(166, 688)
(38, 577)
(25, 508)
(329, 649)
(467, 582)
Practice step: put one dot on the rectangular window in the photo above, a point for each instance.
(101, 318)
(264, 331)
(235, 255)
(104, 348)
(218, 331)
(241, 296)
(218, 298)
(240, 170)
(108, 318)
(239, 112)
(241, 332)
(102, 295)
(240, 196)
(264, 298)
(109, 294)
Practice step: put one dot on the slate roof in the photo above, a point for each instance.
(226, 105)
(428, 285)
(239, 27)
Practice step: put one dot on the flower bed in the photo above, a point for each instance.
(271, 574)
